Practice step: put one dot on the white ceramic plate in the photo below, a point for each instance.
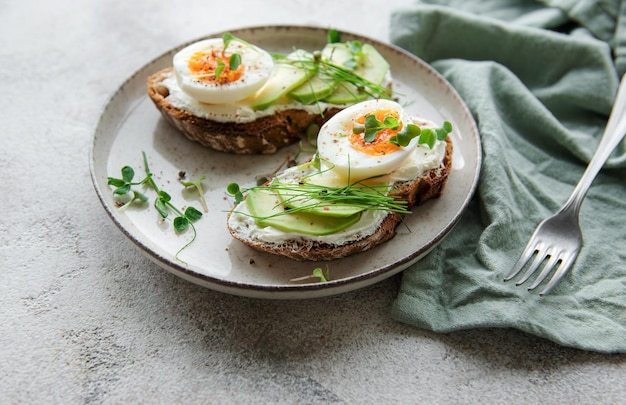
(130, 124)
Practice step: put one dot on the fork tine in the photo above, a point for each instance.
(529, 250)
(550, 265)
(566, 265)
(539, 258)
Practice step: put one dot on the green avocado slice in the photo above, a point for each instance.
(267, 209)
(313, 90)
(284, 78)
(374, 70)
(320, 86)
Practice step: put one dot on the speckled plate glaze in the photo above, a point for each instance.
(130, 124)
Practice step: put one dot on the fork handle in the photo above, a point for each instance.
(613, 134)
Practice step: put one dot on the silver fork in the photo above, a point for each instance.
(558, 239)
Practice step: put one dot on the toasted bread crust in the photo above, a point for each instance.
(428, 186)
(265, 135)
(309, 250)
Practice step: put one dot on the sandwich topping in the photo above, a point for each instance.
(215, 67)
(229, 80)
(221, 70)
(343, 194)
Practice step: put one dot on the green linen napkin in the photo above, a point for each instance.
(540, 79)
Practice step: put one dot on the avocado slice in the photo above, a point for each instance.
(313, 90)
(320, 86)
(374, 69)
(267, 209)
(283, 78)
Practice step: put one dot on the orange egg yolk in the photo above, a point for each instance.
(380, 145)
(203, 66)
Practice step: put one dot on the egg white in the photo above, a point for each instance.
(336, 150)
(258, 64)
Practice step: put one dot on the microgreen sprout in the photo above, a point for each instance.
(227, 38)
(198, 185)
(124, 186)
(310, 196)
(431, 135)
(162, 203)
(333, 36)
(219, 68)
(318, 273)
(233, 63)
(235, 59)
(306, 196)
(406, 135)
(428, 136)
(234, 190)
(324, 276)
(372, 126)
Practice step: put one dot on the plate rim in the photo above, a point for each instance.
(305, 290)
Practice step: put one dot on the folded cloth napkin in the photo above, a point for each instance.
(540, 79)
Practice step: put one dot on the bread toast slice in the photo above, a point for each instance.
(264, 135)
(429, 185)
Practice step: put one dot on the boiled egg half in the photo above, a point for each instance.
(203, 70)
(347, 153)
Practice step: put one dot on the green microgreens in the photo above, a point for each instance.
(234, 190)
(235, 59)
(431, 135)
(198, 185)
(428, 136)
(318, 273)
(124, 186)
(333, 36)
(233, 63)
(406, 135)
(372, 126)
(162, 202)
(310, 196)
(227, 38)
(219, 68)
(324, 276)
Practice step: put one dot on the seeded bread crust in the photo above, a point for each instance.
(265, 135)
(428, 186)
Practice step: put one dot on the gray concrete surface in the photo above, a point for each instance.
(86, 318)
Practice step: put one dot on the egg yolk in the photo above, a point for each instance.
(380, 145)
(203, 66)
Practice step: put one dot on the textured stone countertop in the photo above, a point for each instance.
(86, 318)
